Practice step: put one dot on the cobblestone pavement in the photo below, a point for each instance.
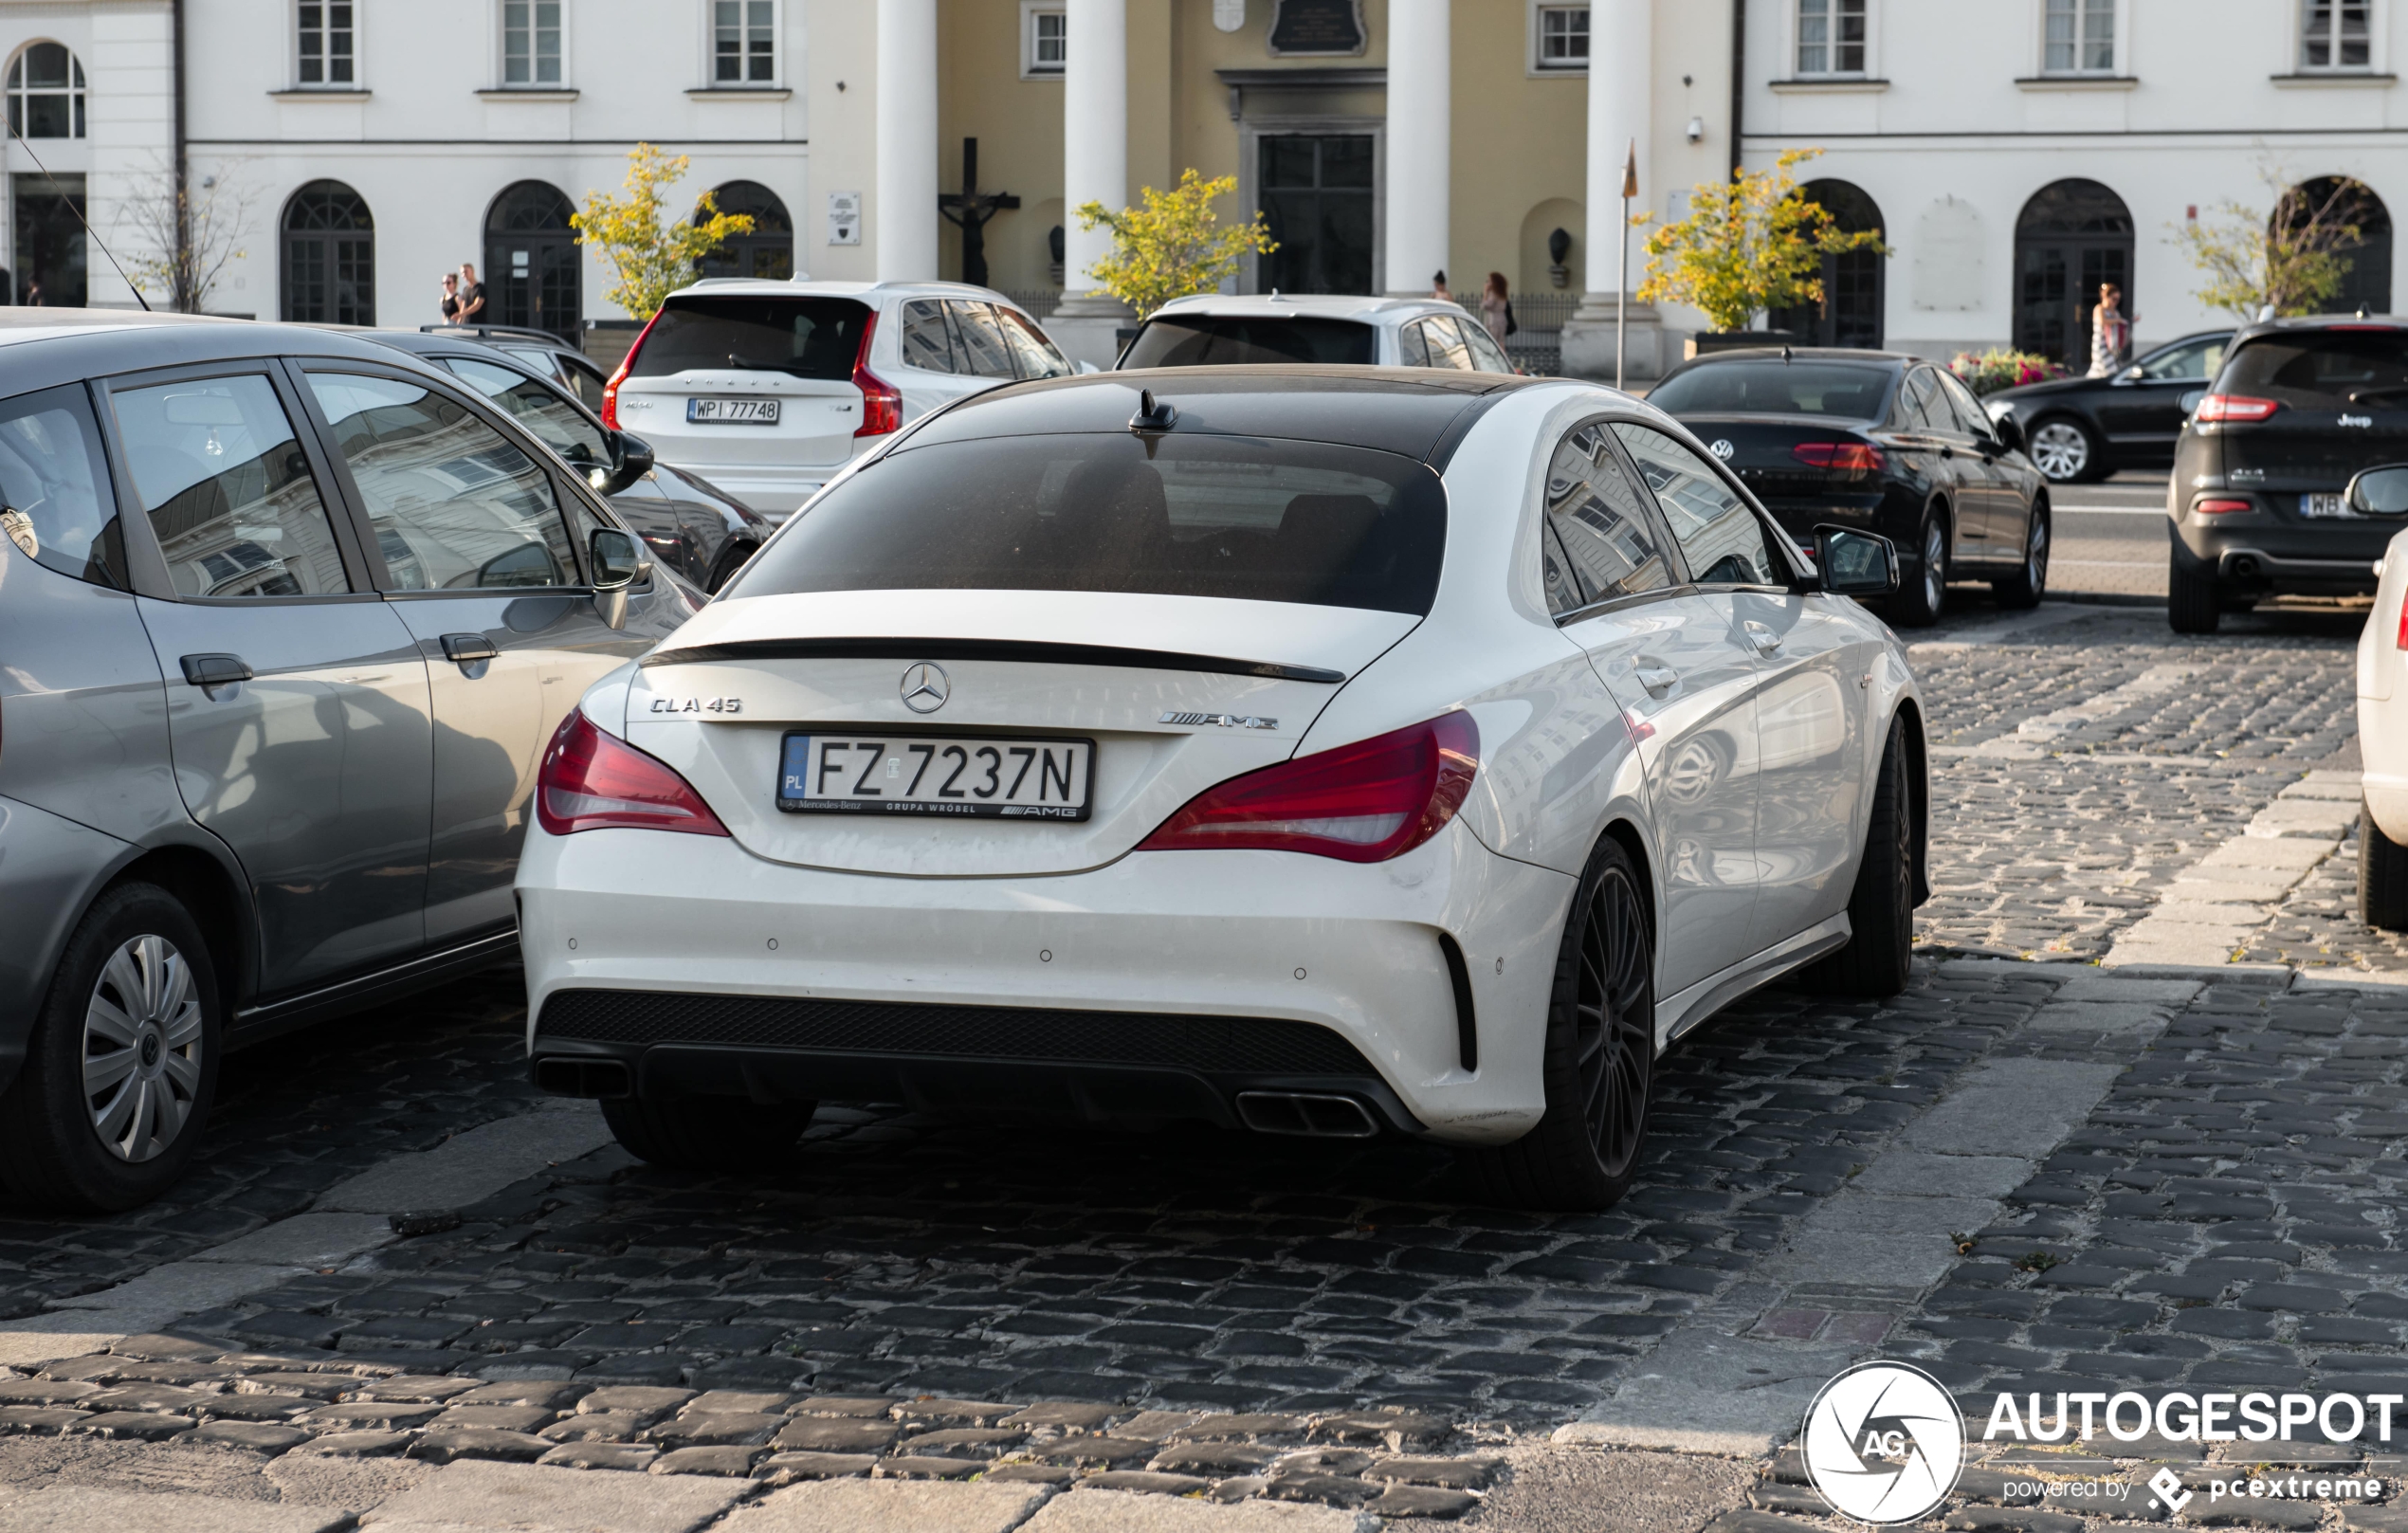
(2035, 1175)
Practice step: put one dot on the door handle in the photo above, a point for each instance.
(215, 670)
(468, 649)
(1656, 679)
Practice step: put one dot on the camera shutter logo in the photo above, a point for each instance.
(1883, 1443)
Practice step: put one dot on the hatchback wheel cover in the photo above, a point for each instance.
(143, 1048)
(1613, 1036)
(2060, 450)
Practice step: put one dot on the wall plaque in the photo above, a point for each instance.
(1316, 28)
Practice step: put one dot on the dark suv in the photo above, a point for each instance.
(2255, 507)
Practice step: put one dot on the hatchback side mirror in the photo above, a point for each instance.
(619, 563)
(2381, 491)
(630, 459)
(2010, 432)
(1855, 563)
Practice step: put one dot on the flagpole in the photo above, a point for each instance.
(1622, 286)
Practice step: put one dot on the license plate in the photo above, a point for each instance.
(990, 776)
(732, 411)
(2324, 505)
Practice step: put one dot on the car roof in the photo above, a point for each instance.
(22, 324)
(70, 346)
(2319, 322)
(807, 287)
(1404, 410)
(1291, 306)
(1805, 353)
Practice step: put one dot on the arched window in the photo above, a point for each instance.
(533, 274)
(330, 256)
(45, 92)
(2073, 236)
(2339, 200)
(768, 250)
(1851, 313)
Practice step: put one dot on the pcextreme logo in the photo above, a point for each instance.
(1883, 1443)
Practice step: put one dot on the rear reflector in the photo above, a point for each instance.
(591, 780)
(1366, 802)
(2221, 508)
(1856, 456)
(2235, 407)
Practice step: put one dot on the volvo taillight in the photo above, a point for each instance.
(881, 401)
(611, 389)
(1366, 802)
(2403, 641)
(591, 780)
(2235, 407)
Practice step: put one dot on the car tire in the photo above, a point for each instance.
(132, 1022)
(730, 560)
(2382, 876)
(1879, 956)
(1921, 599)
(2191, 605)
(2029, 582)
(1600, 1063)
(2065, 451)
(699, 1133)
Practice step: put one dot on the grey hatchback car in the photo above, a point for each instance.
(286, 622)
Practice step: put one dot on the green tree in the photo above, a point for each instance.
(2291, 260)
(1173, 244)
(1753, 243)
(653, 258)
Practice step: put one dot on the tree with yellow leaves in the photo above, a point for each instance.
(1750, 244)
(653, 258)
(1172, 244)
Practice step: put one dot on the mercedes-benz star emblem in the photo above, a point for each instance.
(1723, 449)
(926, 687)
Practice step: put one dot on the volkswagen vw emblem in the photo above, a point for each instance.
(926, 687)
(1723, 449)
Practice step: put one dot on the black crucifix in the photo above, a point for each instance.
(969, 211)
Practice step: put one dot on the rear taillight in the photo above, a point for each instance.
(1366, 802)
(1854, 456)
(2235, 407)
(2222, 508)
(2401, 642)
(611, 389)
(591, 780)
(881, 401)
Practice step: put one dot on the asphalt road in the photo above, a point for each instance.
(2111, 537)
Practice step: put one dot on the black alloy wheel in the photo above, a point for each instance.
(1599, 1066)
(2029, 582)
(1924, 592)
(1879, 956)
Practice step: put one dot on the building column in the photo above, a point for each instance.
(1095, 168)
(1621, 45)
(904, 210)
(1420, 146)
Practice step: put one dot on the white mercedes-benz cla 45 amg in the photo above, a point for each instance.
(1313, 751)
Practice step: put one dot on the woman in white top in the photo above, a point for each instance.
(2110, 332)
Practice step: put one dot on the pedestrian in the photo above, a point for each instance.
(472, 295)
(452, 298)
(1496, 309)
(2110, 332)
(1438, 288)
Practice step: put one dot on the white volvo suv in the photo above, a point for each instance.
(767, 388)
(1324, 751)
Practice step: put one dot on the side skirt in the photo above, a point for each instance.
(1694, 1005)
(256, 1024)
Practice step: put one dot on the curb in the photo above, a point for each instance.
(2105, 598)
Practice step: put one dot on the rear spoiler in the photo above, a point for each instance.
(911, 650)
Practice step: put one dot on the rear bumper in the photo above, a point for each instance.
(1164, 985)
(2257, 554)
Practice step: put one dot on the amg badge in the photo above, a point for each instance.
(697, 705)
(1225, 720)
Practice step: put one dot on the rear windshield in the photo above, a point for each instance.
(810, 337)
(1838, 389)
(1178, 515)
(2323, 369)
(1236, 340)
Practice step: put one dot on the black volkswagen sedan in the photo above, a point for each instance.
(1880, 441)
(2080, 430)
(2256, 506)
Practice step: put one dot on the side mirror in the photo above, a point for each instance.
(630, 459)
(2379, 492)
(2190, 401)
(619, 563)
(1855, 563)
(2010, 432)
(1085, 368)
(2130, 375)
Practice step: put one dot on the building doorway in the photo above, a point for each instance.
(1851, 311)
(768, 250)
(2073, 236)
(534, 273)
(2367, 283)
(47, 230)
(1316, 191)
(330, 257)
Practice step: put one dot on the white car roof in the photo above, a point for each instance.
(869, 292)
(1324, 305)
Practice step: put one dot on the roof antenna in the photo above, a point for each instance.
(2362, 308)
(78, 215)
(1151, 415)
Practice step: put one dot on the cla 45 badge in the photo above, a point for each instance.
(697, 705)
